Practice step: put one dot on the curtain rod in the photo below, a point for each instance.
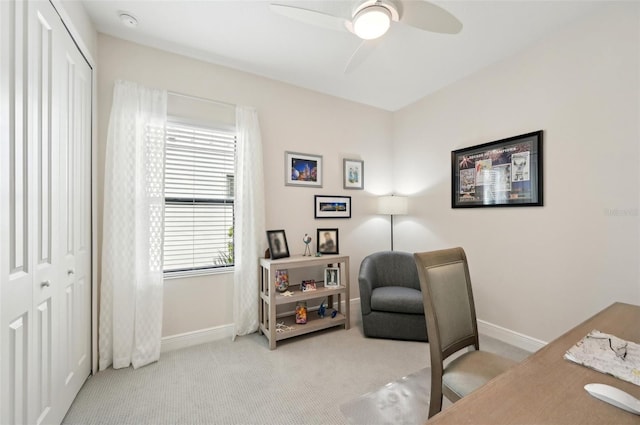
(202, 99)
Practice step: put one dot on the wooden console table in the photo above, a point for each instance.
(270, 299)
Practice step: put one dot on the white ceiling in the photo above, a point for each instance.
(405, 66)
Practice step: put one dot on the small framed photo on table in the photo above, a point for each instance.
(327, 240)
(277, 244)
(331, 277)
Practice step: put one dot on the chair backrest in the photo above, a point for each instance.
(448, 302)
(395, 268)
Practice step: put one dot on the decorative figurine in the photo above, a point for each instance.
(307, 241)
(321, 310)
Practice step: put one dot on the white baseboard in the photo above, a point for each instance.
(489, 329)
(189, 339)
(508, 336)
(203, 336)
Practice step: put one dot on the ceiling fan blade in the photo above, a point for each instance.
(429, 17)
(361, 54)
(312, 17)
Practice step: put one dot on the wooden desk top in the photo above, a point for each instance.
(547, 389)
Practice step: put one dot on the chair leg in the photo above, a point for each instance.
(435, 405)
(435, 402)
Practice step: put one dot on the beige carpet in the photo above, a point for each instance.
(304, 381)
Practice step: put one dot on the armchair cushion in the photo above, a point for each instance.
(397, 299)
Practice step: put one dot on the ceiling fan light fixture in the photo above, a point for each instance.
(371, 22)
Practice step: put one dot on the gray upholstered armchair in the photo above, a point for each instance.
(390, 297)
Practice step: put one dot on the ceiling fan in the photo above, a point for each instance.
(371, 19)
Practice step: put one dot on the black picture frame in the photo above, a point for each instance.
(327, 241)
(332, 206)
(278, 246)
(503, 173)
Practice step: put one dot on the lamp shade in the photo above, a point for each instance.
(393, 205)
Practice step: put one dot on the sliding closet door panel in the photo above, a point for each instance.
(46, 268)
(16, 171)
(75, 201)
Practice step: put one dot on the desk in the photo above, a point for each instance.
(547, 389)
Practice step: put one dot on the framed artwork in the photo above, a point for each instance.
(353, 174)
(327, 241)
(332, 206)
(301, 169)
(331, 277)
(277, 244)
(504, 173)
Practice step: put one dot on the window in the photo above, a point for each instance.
(199, 191)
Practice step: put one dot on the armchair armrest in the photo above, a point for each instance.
(366, 282)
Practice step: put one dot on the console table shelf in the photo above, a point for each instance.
(270, 298)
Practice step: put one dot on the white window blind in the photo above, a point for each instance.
(199, 190)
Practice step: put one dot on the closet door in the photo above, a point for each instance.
(43, 176)
(45, 137)
(75, 208)
(16, 186)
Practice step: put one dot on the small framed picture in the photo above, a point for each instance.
(308, 285)
(327, 240)
(301, 169)
(277, 244)
(353, 173)
(331, 277)
(332, 206)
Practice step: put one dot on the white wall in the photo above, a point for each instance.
(538, 270)
(291, 119)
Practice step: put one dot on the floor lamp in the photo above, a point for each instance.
(392, 205)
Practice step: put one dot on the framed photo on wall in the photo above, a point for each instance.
(327, 241)
(504, 173)
(353, 174)
(277, 244)
(301, 169)
(332, 206)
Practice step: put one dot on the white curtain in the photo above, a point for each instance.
(249, 232)
(131, 285)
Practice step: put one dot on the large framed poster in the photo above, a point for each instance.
(504, 173)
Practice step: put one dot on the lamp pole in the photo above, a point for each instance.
(391, 231)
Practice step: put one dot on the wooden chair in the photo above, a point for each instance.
(451, 325)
